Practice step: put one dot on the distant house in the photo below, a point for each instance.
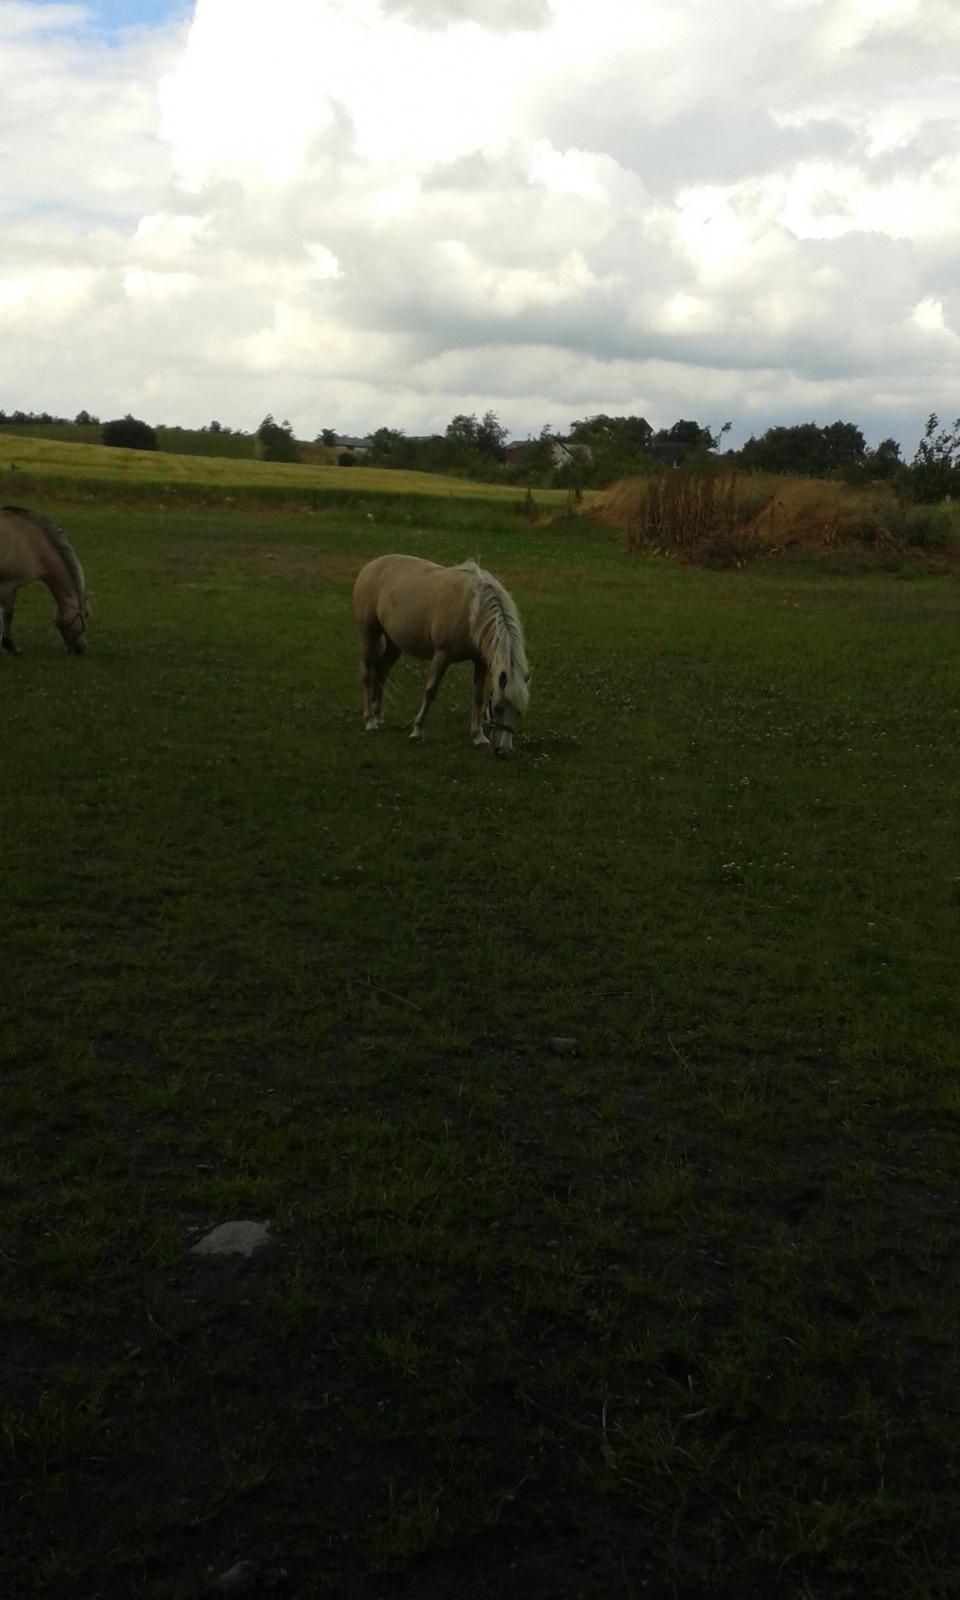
(563, 455)
(348, 441)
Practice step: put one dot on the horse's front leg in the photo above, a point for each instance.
(476, 711)
(6, 625)
(438, 667)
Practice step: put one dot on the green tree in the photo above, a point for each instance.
(691, 435)
(275, 441)
(485, 438)
(612, 447)
(540, 462)
(935, 469)
(885, 461)
(492, 437)
(603, 433)
(327, 436)
(129, 433)
(387, 447)
(806, 448)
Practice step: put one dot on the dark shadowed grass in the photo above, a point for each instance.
(674, 1316)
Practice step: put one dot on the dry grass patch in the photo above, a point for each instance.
(725, 518)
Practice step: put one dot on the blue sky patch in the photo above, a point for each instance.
(112, 16)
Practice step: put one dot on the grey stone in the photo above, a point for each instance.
(233, 1239)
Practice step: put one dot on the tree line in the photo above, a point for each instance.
(596, 450)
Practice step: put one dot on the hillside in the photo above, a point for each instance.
(27, 459)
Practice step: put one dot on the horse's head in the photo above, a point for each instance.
(505, 707)
(71, 622)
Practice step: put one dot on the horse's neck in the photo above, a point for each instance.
(57, 577)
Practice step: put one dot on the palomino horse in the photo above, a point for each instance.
(32, 547)
(442, 614)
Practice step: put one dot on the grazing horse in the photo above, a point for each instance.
(443, 615)
(32, 547)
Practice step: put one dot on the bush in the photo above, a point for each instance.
(129, 433)
(928, 527)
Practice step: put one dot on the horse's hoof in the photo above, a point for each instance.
(371, 727)
(481, 742)
(416, 736)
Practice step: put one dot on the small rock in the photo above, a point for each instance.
(237, 1580)
(233, 1239)
(564, 1047)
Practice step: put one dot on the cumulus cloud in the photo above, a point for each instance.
(366, 212)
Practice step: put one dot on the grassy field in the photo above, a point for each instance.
(53, 466)
(673, 1316)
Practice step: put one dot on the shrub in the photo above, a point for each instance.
(129, 433)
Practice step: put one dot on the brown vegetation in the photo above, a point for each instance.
(725, 518)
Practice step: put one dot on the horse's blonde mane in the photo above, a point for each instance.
(498, 632)
(56, 536)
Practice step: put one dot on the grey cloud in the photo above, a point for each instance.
(862, 282)
(708, 144)
(933, 141)
(476, 173)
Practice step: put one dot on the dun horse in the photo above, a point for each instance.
(442, 614)
(34, 548)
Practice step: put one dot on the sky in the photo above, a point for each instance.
(366, 213)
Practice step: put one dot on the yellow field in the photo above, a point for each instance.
(144, 468)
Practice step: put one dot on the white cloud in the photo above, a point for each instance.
(357, 212)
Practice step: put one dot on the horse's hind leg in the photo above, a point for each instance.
(6, 624)
(386, 656)
(438, 667)
(377, 656)
(370, 639)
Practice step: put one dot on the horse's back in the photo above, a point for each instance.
(389, 569)
(418, 604)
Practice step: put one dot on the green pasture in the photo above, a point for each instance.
(667, 1312)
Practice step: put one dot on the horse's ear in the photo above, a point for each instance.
(503, 680)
